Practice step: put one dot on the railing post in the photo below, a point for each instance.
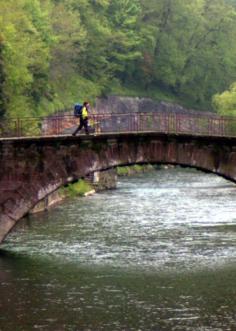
(58, 125)
(222, 127)
(18, 127)
(209, 126)
(176, 123)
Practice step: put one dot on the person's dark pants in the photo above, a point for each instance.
(83, 123)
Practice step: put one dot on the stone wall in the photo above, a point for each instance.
(105, 180)
(48, 202)
(99, 180)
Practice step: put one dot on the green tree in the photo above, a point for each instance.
(39, 50)
(124, 45)
(2, 80)
(15, 27)
(92, 62)
(191, 47)
(24, 56)
(68, 44)
(56, 52)
(209, 65)
(225, 103)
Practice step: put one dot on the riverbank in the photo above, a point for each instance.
(99, 181)
(135, 169)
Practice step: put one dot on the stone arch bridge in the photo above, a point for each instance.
(34, 166)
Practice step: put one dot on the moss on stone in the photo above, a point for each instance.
(79, 188)
(134, 169)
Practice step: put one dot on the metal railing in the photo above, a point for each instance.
(172, 123)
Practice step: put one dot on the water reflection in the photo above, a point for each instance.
(39, 294)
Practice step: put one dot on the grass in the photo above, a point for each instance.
(77, 189)
(134, 169)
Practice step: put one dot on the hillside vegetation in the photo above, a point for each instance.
(55, 52)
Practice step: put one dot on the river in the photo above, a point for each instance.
(156, 254)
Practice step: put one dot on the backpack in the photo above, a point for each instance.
(78, 110)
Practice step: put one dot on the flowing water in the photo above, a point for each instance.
(158, 253)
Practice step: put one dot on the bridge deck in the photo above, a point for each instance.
(115, 135)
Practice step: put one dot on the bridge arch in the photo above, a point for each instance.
(187, 166)
(31, 169)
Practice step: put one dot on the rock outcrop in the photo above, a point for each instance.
(118, 104)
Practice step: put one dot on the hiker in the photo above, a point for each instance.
(83, 116)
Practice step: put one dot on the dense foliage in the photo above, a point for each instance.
(56, 52)
(225, 103)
